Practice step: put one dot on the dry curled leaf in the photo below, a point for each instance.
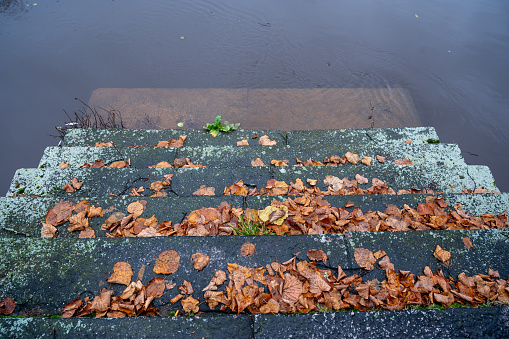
(352, 158)
(199, 261)
(468, 244)
(163, 164)
(404, 162)
(122, 273)
(95, 212)
(364, 258)
(442, 254)
(88, 232)
(78, 222)
(243, 142)
(380, 159)
(265, 141)
(167, 263)
(71, 308)
(366, 160)
(104, 144)
(204, 190)
(48, 231)
(247, 249)
(190, 305)
(68, 188)
(64, 164)
(119, 164)
(7, 306)
(317, 255)
(155, 287)
(257, 162)
(360, 179)
(136, 208)
(76, 184)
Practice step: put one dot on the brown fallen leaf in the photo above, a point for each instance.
(265, 141)
(364, 258)
(352, 158)
(243, 142)
(76, 184)
(64, 164)
(119, 164)
(98, 164)
(7, 306)
(247, 249)
(408, 142)
(186, 288)
(190, 305)
(48, 231)
(360, 179)
(163, 164)
(104, 144)
(136, 208)
(88, 232)
(312, 182)
(167, 263)
(68, 188)
(279, 163)
(292, 289)
(155, 287)
(317, 255)
(78, 222)
(272, 306)
(71, 308)
(176, 298)
(404, 162)
(156, 185)
(442, 254)
(122, 273)
(257, 162)
(366, 160)
(204, 190)
(60, 213)
(467, 243)
(101, 303)
(379, 254)
(199, 261)
(380, 159)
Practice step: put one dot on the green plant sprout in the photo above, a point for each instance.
(217, 127)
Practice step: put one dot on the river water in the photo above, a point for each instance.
(451, 56)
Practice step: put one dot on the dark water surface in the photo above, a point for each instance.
(452, 56)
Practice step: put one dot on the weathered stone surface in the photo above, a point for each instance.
(102, 182)
(197, 137)
(204, 326)
(48, 273)
(490, 322)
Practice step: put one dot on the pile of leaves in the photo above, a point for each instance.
(294, 286)
(302, 215)
(314, 215)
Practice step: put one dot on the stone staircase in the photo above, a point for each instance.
(42, 275)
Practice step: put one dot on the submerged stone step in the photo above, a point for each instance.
(49, 273)
(241, 156)
(195, 137)
(102, 182)
(23, 216)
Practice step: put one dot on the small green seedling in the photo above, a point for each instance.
(217, 127)
(433, 141)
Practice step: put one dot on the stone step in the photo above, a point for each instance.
(233, 156)
(102, 182)
(46, 274)
(491, 322)
(200, 137)
(23, 216)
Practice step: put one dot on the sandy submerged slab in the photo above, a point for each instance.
(272, 108)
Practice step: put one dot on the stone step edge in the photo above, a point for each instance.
(24, 216)
(448, 179)
(376, 135)
(431, 324)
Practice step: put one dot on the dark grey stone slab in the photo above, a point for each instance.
(132, 137)
(48, 273)
(241, 156)
(22, 216)
(102, 182)
(492, 322)
(204, 326)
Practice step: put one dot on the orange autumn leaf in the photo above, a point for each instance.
(104, 144)
(364, 258)
(95, 212)
(366, 160)
(352, 158)
(317, 255)
(279, 162)
(88, 232)
(101, 303)
(186, 288)
(265, 141)
(380, 159)
(404, 162)
(122, 273)
(257, 162)
(243, 142)
(156, 186)
(292, 289)
(155, 287)
(468, 244)
(7, 306)
(78, 222)
(272, 306)
(76, 184)
(441, 254)
(136, 208)
(119, 164)
(408, 142)
(167, 263)
(68, 188)
(48, 231)
(190, 305)
(163, 164)
(64, 164)
(60, 213)
(247, 249)
(204, 190)
(199, 261)
(71, 308)
(98, 164)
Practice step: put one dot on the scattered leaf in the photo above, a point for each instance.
(352, 158)
(257, 162)
(155, 287)
(7, 306)
(380, 159)
(404, 162)
(167, 263)
(199, 261)
(104, 144)
(136, 208)
(48, 231)
(317, 255)
(190, 305)
(408, 142)
(64, 164)
(366, 160)
(71, 308)
(467, 243)
(442, 254)
(265, 141)
(247, 249)
(364, 258)
(119, 164)
(122, 273)
(243, 142)
(88, 232)
(76, 184)
(204, 190)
